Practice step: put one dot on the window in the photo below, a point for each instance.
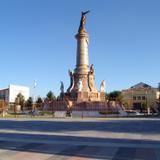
(139, 97)
(143, 97)
(134, 97)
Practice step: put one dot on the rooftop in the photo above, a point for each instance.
(141, 85)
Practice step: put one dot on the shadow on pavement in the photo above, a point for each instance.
(122, 126)
(79, 150)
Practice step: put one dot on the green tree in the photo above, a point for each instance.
(29, 103)
(50, 96)
(115, 96)
(20, 100)
(39, 102)
(59, 97)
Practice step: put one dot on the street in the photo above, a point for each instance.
(113, 139)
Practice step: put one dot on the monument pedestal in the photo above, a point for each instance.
(82, 96)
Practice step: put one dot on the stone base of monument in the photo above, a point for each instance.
(85, 109)
(87, 114)
(85, 96)
(98, 109)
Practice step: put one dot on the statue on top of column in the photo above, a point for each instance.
(83, 21)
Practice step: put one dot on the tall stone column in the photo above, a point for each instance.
(82, 60)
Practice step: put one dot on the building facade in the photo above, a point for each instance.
(10, 93)
(140, 97)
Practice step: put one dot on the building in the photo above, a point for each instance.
(10, 93)
(140, 97)
(158, 95)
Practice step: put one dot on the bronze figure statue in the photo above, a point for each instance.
(83, 21)
(71, 74)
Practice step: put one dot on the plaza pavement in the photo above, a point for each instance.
(80, 139)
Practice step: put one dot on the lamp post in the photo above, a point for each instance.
(146, 101)
(34, 95)
(159, 96)
(148, 109)
(132, 98)
(3, 107)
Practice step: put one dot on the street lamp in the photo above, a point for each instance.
(132, 98)
(4, 106)
(34, 95)
(159, 95)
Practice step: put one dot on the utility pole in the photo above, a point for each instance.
(3, 107)
(148, 108)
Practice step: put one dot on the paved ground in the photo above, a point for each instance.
(110, 139)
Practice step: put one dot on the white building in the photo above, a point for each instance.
(10, 93)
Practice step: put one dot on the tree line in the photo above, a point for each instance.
(20, 100)
(28, 104)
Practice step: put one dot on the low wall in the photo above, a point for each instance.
(85, 109)
(60, 114)
(87, 114)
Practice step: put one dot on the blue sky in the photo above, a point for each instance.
(37, 42)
